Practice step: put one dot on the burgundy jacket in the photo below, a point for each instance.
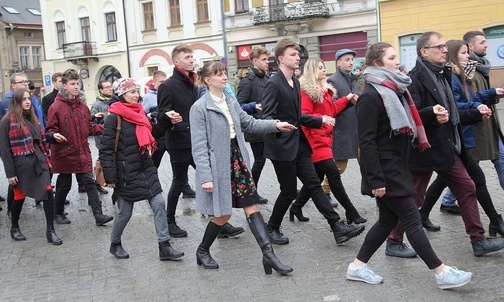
(72, 119)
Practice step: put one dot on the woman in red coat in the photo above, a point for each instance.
(317, 100)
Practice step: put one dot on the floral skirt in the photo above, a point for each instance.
(243, 187)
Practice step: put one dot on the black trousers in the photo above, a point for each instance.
(391, 211)
(64, 184)
(180, 160)
(259, 160)
(287, 173)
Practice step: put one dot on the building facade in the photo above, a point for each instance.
(21, 42)
(321, 27)
(402, 21)
(156, 27)
(88, 36)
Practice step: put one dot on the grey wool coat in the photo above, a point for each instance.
(211, 145)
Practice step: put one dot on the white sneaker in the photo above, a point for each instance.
(362, 273)
(451, 277)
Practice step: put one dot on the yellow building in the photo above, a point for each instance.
(402, 21)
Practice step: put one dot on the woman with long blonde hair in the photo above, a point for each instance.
(317, 100)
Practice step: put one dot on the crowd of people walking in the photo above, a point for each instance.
(401, 127)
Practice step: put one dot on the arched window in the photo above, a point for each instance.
(110, 74)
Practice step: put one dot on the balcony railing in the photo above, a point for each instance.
(81, 50)
(290, 12)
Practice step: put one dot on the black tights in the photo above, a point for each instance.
(17, 206)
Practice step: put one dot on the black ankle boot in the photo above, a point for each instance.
(52, 237)
(343, 232)
(118, 251)
(16, 234)
(496, 226)
(228, 231)
(353, 216)
(166, 252)
(270, 260)
(426, 223)
(298, 212)
(102, 219)
(203, 256)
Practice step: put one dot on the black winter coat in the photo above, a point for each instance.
(383, 157)
(176, 93)
(441, 155)
(250, 90)
(133, 173)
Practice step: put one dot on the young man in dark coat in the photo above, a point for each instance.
(175, 98)
(249, 96)
(68, 127)
(291, 152)
(48, 99)
(431, 85)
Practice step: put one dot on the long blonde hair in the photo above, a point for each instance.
(309, 76)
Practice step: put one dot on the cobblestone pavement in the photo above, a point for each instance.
(82, 269)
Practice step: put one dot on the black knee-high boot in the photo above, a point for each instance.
(49, 215)
(203, 256)
(16, 207)
(270, 260)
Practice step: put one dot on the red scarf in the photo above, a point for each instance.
(134, 113)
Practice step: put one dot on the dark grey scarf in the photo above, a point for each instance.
(448, 100)
(483, 66)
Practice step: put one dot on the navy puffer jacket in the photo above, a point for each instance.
(134, 174)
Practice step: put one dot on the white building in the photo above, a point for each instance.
(88, 36)
(156, 27)
(321, 27)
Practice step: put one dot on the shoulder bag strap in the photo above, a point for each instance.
(118, 131)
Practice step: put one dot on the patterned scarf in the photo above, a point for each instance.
(21, 140)
(399, 105)
(134, 113)
(483, 66)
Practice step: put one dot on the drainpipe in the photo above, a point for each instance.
(127, 42)
(11, 42)
(223, 25)
(378, 21)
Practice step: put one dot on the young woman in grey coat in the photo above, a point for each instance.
(223, 178)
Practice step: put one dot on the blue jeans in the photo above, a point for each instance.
(499, 163)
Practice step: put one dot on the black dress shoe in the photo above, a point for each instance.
(230, 231)
(102, 219)
(118, 251)
(453, 210)
(429, 226)
(176, 231)
(276, 236)
(16, 234)
(61, 219)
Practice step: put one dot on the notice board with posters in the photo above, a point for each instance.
(495, 40)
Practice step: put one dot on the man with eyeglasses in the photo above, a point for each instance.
(19, 80)
(431, 88)
(99, 110)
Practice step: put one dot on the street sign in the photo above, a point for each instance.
(47, 80)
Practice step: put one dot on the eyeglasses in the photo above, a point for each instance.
(440, 46)
(21, 82)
